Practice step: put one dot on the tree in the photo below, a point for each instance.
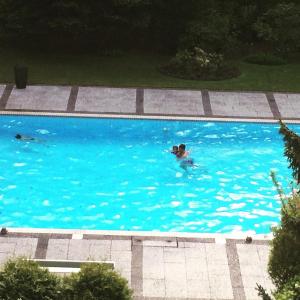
(280, 27)
(62, 23)
(291, 149)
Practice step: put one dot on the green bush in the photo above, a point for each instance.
(262, 292)
(290, 291)
(284, 262)
(265, 59)
(212, 31)
(96, 281)
(196, 64)
(279, 27)
(22, 279)
(25, 280)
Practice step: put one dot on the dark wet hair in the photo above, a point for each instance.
(182, 146)
(18, 136)
(175, 147)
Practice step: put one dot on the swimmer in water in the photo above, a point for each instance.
(183, 156)
(174, 150)
(181, 153)
(24, 137)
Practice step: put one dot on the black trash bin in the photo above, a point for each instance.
(21, 75)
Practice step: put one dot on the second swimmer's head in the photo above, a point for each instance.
(182, 147)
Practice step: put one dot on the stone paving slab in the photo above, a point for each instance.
(240, 104)
(288, 104)
(118, 251)
(106, 100)
(187, 272)
(39, 98)
(253, 263)
(173, 102)
(11, 247)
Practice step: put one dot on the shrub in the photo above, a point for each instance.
(284, 262)
(291, 149)
(213, 32)
(262, 292)
(96, 281)
(24, 279)
(197, 64)
(280, 27)
(265, 59)
(290, 291)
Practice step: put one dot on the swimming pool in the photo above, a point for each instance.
(119, 174)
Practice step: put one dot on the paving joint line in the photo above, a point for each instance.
(139, 101)
(209, 280)
(137, 270)
(206, 103)
(42, 246)
(72, 99)
(164, 268)
(5, 96)
(273, 105)
(235, 270)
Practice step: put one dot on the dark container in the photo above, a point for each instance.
(21, 75)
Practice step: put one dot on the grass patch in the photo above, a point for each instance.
(265, 59)
(139, 70)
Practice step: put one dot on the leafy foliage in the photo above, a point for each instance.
(198, 64)
(290, 291)
(265, 59)
(164, 26)
(262, 293)
(292, 149)
(96, 281)
(72, 23)
(284, 262)
(23, 279)
(214, 33)
(280, 26)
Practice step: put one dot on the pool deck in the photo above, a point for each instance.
(157, 266)
(157, 103)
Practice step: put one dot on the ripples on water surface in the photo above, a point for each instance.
(120, 175)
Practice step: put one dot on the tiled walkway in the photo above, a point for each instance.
(157, 102)
(159, 267)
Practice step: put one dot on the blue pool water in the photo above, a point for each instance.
(120, 175)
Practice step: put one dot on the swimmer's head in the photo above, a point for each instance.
(18, 136)
(182, 147)
(175, 150)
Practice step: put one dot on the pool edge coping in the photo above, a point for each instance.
(218, 237)
(146, 117)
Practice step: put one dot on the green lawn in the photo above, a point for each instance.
(139, 70)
